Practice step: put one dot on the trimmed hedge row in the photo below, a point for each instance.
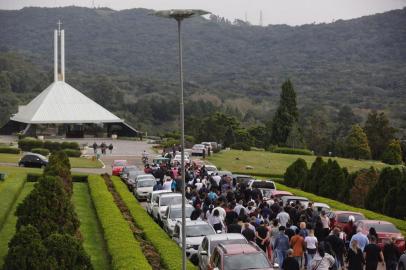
(292, 151)
(80, 178)
(41, 151)
(28, 143)
(9, 192)
(72, 152)
(400, 224)
(125, 250)
(169, 251)
(9, 150)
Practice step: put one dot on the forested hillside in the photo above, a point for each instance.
(127, 61)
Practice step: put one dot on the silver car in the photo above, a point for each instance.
(210, 242)
(162, 202)
(152, 197)
(173, 215)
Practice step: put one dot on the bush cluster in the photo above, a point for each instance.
(27, 144)
(292, 151)
(9, 150)
(169, 251)
(72, 152)
(241, 146)
(41, 151)
(382, 192)
(125, 251)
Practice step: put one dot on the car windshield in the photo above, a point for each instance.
(199, 230)
(119, 163)
(383, 228)
(343, 218)
(209, 168)
(214, 244)
(305, 203)
(170, 200)
(263, 184)
(246, 261)
(198, 146)
(177, 212)
(146, 183)
(266, 192)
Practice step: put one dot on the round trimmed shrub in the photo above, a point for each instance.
(72, 152)
(52, 146)
(29, 143)
(70, 145)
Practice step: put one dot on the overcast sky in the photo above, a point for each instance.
(292, 12)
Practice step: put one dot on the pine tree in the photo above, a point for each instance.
(365, 180)
(48, 208)
(390, 202)
(393, 153)
(316, 174)
(59, 165)
(379, 133)
(332, 180)
(357, 144)
(296, 173)
(286, 115)
(344, 121)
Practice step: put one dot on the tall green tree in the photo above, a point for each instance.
(344, 121)
(316, 173)
(296, 173)
(365, 180)
(332, 180)
(286, 115)
(59, 165)
(379, 133)
(357, 144)
(393, 153)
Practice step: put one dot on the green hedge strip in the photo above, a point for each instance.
(9, 150)
(81, 178)
(125, 251)
(171, 254)
(72, 152)
(400, 224)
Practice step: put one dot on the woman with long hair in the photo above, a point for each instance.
(322, 260)
(355, 258)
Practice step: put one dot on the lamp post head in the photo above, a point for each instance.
(180, 14)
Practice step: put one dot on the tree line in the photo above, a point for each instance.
(380, 191)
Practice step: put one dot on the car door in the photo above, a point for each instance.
(203, 258)
(215, 260)
(30, 161)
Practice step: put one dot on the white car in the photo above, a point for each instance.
(174, 214)
(162, 202)
(318, 207)
(143, 188)
(196, 230)
(178, 159)
(210, 242)
(198, 150)
(152, 197)
(211, 169)
(262, 184)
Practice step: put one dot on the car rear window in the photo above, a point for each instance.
(246, 261)
(383, 228)
(263, 184)
(119, 163)
(343, 218)
(214, 244)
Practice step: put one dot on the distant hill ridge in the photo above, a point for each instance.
(359, 62)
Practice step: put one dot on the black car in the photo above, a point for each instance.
(33, 160)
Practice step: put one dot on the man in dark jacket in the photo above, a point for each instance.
(338, 246)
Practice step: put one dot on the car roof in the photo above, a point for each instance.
(34, 154)
(348, 212)
(235, 249)
(196, 222)
(294, 198)
(224, 236)
(161, 191)
(180, 206)
(280, 192)
(368, 221)
(171, 194)
(319, 204)
(145, 175)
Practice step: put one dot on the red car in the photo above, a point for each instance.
(238, 257)
(385, 231)
(340, 218)
(118, 166)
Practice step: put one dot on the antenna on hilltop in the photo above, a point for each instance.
(261, 23)
(246, 17)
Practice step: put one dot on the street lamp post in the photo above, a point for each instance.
(179, 15)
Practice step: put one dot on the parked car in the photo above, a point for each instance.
(118, 166)
(262, 184)
(402, 262)
(238, 257)
(162, 203)
(143, 188)
(196, 230)
(385, 231)
(242, 179)
(226, 173)
(286, 200)
(152, 197)
(126, 170)
(340, 218)
(280, 193)
(132, 176)
(318, 207)
(198, 149)
(174, 214)
(210, 169)
(178, 159)
(210, 242)
(33, 160)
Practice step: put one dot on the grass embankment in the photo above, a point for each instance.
(75, 162)
(171, 255)
(9, 226)
(90, 228)
(9, 192)
(275, 164)
(125, 251)
(400, 224)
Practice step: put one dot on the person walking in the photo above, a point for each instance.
(297, 243)
(94, 148)
(355, 259)
(373, 255)
(281, 246)
(111, 148)
(322, 260)
(338, 246)
(262, 236)
(391, 254)
(311, 246)
(361, 239)
(290, 263)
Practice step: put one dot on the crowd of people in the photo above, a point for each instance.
(293, 236)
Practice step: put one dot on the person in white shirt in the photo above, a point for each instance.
(167, 184)
(238, 207)
(217, 179)
(198, 184)
(222, 212)
(283, 217)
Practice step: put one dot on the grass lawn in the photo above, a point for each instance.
(75, 162)
(9, 191)
(94, 243)
(8, 230)
(274, 163)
